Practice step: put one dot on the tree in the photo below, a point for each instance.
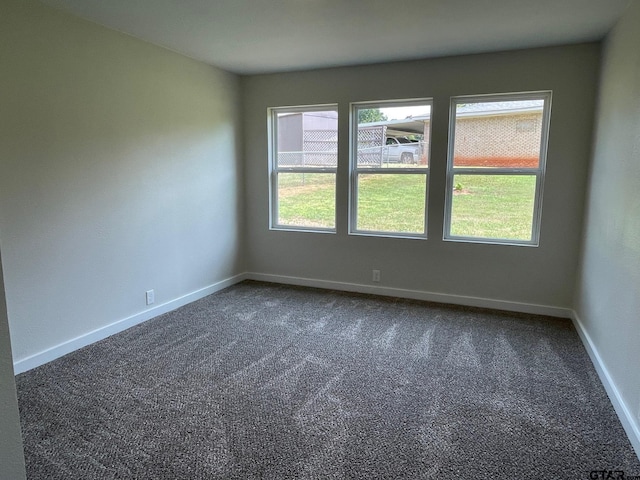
(368, 115)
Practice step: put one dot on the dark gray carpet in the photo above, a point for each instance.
(267, 381)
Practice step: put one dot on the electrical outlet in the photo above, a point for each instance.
(376, 276)
(151, 297)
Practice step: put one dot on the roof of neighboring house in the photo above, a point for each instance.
(404, 126)
(499, 108)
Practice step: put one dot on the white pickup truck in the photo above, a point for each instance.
(401, 150)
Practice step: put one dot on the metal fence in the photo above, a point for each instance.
(371, 149)
(319, 149)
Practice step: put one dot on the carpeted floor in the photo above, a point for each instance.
(268, 381)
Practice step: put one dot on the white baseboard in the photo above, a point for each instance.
(629, 423)
(415, 295)
(69, 346)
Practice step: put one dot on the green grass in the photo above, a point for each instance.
(306, 199)
(391, 203)
(486, 206)
(493, 206)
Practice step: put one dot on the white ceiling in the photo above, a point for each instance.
(261, 36)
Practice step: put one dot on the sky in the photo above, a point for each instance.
(399, 113)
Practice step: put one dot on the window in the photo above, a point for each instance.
(497, 154)
(303, 161)
(390, 167)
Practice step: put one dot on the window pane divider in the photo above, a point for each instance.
(302, 229)
(495, 171)
(493, 241)
(375, 233)
(378, 171)
(305, 170)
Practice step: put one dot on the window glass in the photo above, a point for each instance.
(304, 150)
(306, 199)
(390, 163)
(392, 202)
(496, 167)
(478, 206)
(500, 134)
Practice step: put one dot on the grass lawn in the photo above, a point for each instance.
(487, 206)
(391, 202)
(493, 206)
(307, 199)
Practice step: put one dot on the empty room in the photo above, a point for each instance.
(319, 239)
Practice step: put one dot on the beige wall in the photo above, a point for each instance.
(119, 173)
(608, 289)
(541, 276)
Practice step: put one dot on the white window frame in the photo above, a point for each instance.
(274, 169)
(355, 171)
(538, 172)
